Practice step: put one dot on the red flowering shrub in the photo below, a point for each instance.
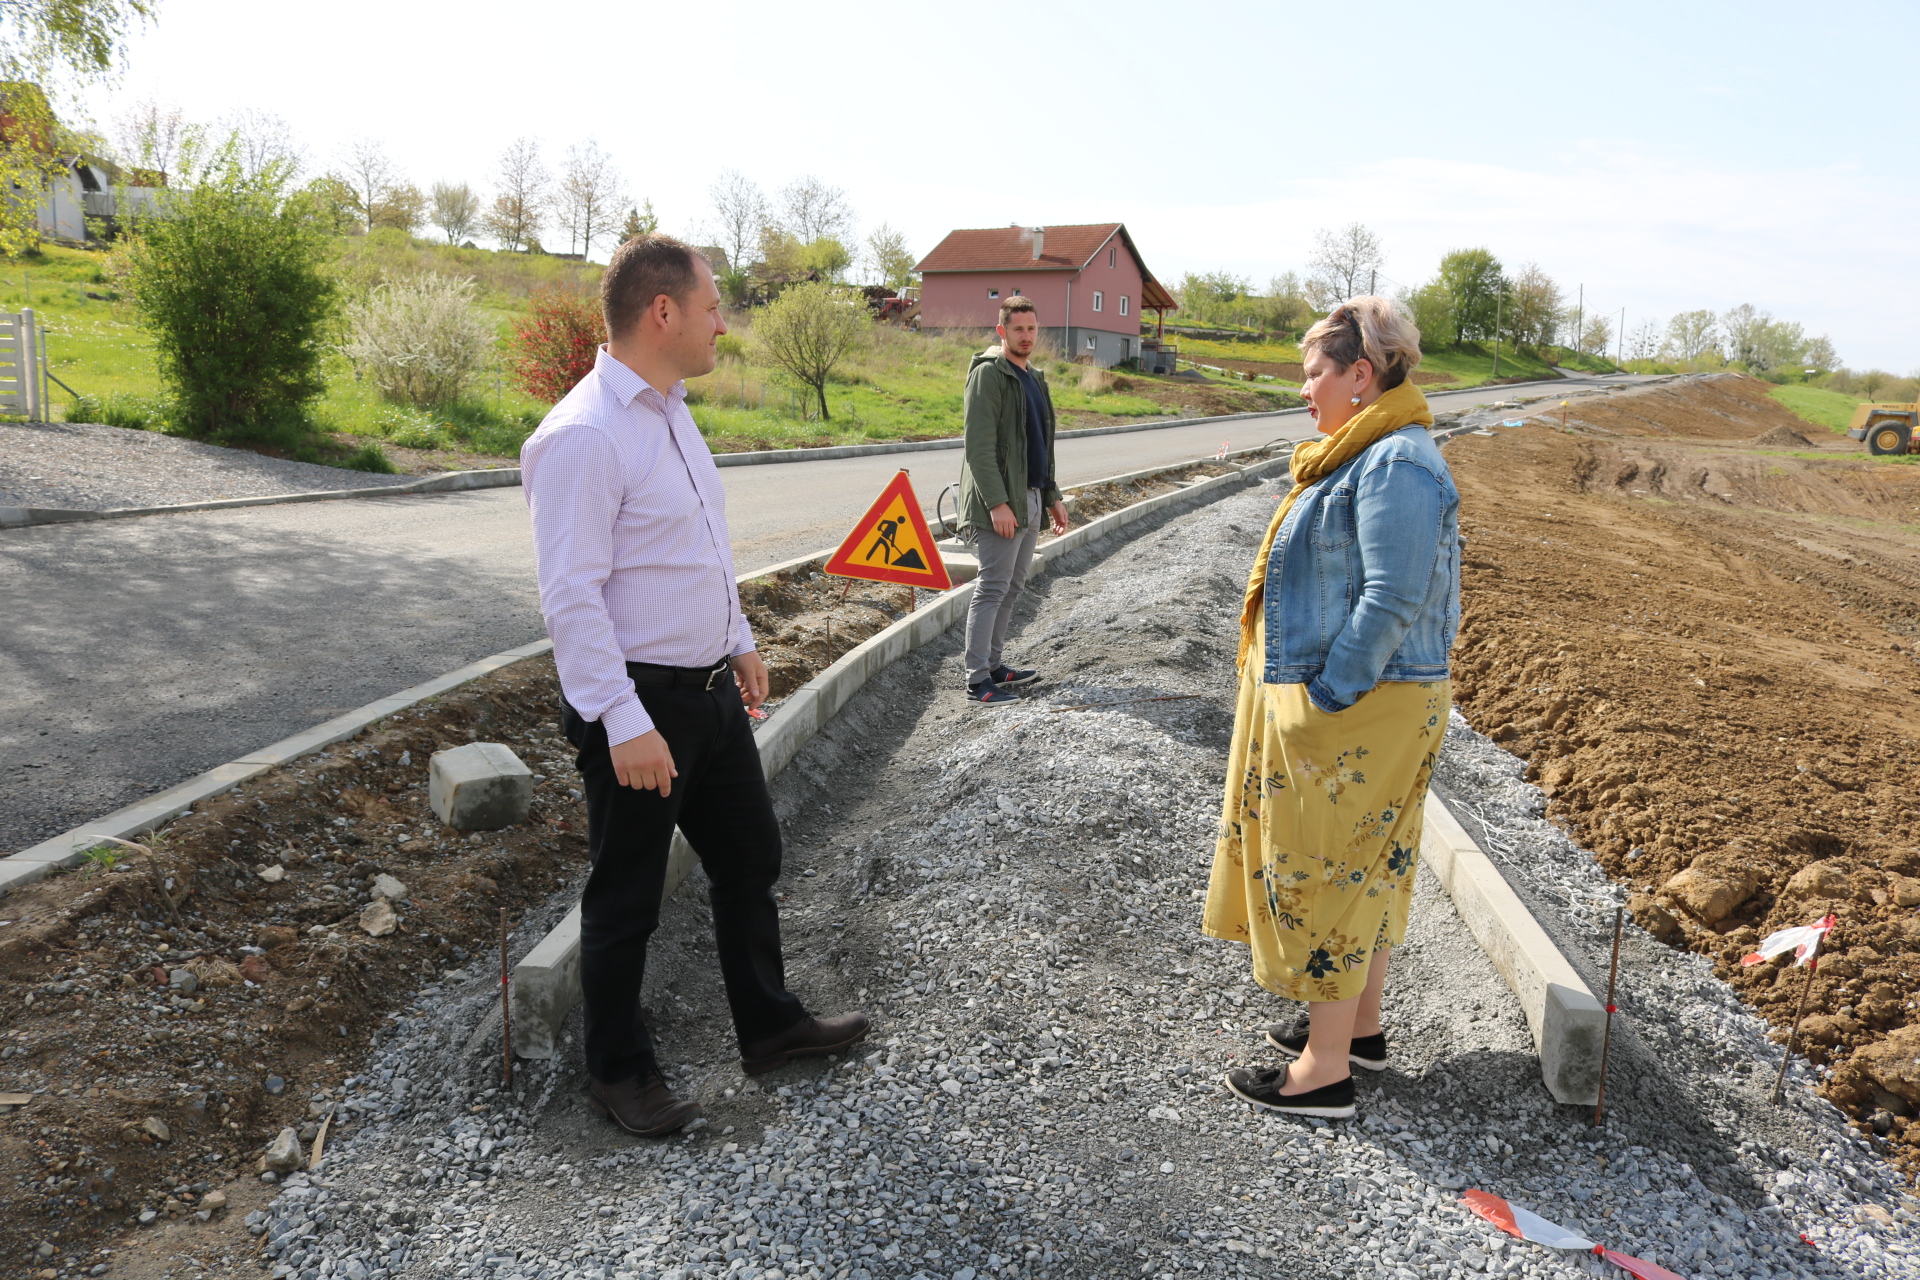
(554, 346)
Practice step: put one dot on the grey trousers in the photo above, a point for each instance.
(1003, 574)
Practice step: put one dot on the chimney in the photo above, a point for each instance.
(1039, 242)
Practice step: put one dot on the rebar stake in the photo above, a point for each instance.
(1606, 1039)
(506, 1006)
(1793, 1037)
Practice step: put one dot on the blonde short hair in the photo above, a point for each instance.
(1374, 327)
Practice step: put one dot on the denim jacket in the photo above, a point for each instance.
(1363, 583)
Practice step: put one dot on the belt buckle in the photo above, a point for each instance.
(714, 675)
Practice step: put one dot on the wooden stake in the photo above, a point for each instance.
(1793, 1036)
(1606, 1040)
(506, 1006)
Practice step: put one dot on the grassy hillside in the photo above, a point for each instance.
(1469, 365)
(1823, 408)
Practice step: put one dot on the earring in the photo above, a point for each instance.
(1354, 401)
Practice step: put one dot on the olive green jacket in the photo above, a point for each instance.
(995, 466)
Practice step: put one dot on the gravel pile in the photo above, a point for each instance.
(1015, 894)
(81, 466)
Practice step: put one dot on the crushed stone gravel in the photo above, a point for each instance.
(1015, 894)
(86, 467)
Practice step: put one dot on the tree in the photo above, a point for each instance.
(888, 258)
(1821, 355)
(808, 330)
(1432, 308)
(739, 214)
(519, 208)
(1745, 326)
(589, 196)
(1474, 280)
(401, 206)
(264, 139)
(826, 259)
(421, 340)
(1209, 295)
(368, 171)
(1285, 308)
(1533, 307)
(1597, 336)
(332, 203)
(812, 209)
(39, 38)
(152, 137)
(456, 210)
(1344, 264)
(231, 280)
(1691, 336)
(1644, 342)
(555, 345)
(1872, 380)
(640, 222)
(30, 159)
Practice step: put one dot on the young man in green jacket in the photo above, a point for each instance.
(1007, 483)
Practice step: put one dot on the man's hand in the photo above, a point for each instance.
(1059, 518)
(1003, 522)
(751, 673)
(644, 763)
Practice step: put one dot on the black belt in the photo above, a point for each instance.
(656, 676)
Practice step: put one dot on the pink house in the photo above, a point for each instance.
(1088, 285)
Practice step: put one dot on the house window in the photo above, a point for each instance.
(1123, 304)
(1098, 299)
(1113, 257)
(993, 293)
(1093, 342)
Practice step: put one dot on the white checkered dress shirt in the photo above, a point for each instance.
(630, 542)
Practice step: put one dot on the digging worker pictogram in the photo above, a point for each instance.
(1006, 485)
(888, 528)
(658, 669)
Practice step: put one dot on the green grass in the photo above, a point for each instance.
(1469, 365)
(1821, 407)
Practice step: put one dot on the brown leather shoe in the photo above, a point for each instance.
(643, 1106)
(807, 1038)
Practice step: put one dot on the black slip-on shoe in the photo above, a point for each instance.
(1004, 675)
(1363, 1051)
(988, 691)
(1260, 1086)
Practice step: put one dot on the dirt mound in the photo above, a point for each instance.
(1783, 438)
(1708, 657)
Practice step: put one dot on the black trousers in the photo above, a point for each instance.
(721, 805)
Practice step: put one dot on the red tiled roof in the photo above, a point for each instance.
(1011, 249)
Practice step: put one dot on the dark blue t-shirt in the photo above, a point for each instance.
(1037, 476)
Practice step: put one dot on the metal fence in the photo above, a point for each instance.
(23, 366)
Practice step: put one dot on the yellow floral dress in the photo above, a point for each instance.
(1320, 830)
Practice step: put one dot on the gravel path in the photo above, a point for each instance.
(1014, 894)
(81, 466)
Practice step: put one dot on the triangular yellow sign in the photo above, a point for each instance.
(892, 543)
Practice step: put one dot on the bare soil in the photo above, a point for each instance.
(1705, 646)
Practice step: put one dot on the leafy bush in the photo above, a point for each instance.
(411, 428)
(230, 278)
(367, 458)
(420, 340)
(554, 346)
(808, 330)
(728, 346)
(122, 409)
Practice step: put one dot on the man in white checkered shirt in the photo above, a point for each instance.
(658, 669)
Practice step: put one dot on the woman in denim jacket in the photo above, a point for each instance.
(1350, 613)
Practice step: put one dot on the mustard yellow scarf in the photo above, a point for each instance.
(1314, 461)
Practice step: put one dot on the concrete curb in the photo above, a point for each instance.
(1567, 1022)
(546, 984)
(445, 482)
(69, 848)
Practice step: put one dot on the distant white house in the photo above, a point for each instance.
(87, 200)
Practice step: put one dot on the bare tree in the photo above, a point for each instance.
(262, 140)
(368, 171)
(813, 210)
(520, 208)
(590, 196)
(739, 214)
(1343, 263)
(151, 136)
(456, 210)
(1643, 343)
(888, 257)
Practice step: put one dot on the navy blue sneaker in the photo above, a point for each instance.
(988, 691)
(1014, 675)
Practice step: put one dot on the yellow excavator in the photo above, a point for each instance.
(1887, 428)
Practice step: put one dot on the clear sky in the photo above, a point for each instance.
(1668, 156)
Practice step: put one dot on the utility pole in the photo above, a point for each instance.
(1373, 279)
(1580, 319)
(1620, 343)
(1499, 303)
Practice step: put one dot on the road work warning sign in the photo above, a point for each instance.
(892, 543)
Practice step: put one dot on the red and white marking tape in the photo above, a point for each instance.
(1534, 1229)
(1803, 940)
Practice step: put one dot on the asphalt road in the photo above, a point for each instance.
(136, 653)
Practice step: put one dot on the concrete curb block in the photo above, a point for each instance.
(445, 482)
(1567, 1022)
(546, 985)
